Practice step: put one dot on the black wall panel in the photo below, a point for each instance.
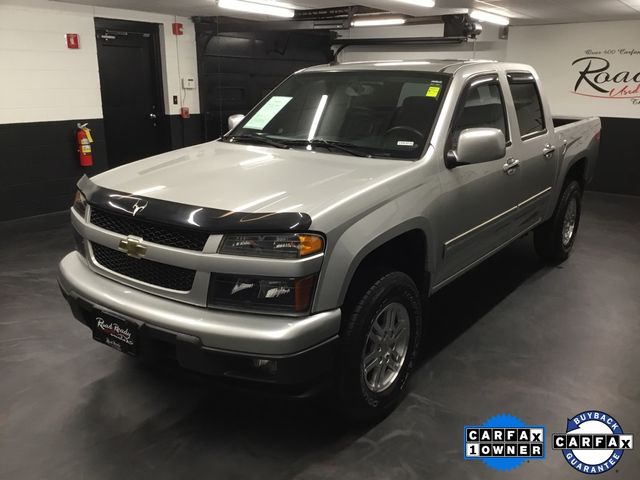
(618, 168)
(40, 166)
(185, 131)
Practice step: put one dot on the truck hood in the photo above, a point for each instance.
(247, 178)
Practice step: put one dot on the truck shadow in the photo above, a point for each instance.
(454, 309)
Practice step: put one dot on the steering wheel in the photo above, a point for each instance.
(401, 132)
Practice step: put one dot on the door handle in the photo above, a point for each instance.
(548, 150)
(510, 167)
(153, 116)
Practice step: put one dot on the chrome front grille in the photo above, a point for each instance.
(147, 271)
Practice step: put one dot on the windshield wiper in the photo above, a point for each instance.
(256, 138)
(342, 146)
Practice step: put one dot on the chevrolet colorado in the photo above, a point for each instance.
(299, 246)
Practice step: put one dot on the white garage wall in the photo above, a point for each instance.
(42, 80)
(488, 46)
(552, 49)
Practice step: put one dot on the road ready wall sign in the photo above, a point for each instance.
(585, 68)
(598, 78)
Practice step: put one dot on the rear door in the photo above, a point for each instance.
(480, 199)
(537, 154)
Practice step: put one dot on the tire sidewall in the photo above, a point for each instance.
(571, 191)
(390, 288)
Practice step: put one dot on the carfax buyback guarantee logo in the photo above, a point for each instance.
(593, 443)
(504, 442)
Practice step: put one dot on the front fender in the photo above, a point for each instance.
(351, 247)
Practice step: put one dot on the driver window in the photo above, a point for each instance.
(482, 107)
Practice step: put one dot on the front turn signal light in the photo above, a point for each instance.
(310, 244)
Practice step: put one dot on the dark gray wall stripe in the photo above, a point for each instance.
(39, 164)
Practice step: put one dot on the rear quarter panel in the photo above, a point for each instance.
(576, 141)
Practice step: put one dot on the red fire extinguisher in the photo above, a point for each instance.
(83, 142)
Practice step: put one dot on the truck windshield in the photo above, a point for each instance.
(363, 113)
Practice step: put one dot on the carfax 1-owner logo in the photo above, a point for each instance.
(593, 442)
(504, 442)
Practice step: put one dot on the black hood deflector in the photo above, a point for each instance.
(192, 217)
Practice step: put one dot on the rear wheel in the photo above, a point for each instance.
(379, 346)
(554, 239)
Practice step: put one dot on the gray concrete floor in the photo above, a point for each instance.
(512, 336)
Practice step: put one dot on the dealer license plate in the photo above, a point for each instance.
(117, 333)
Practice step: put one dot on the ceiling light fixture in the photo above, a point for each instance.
(256, 8)
(379, 22)
(420, 3)
(483, 16)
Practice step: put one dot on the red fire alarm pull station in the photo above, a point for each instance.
(72, 40)
(177, 28)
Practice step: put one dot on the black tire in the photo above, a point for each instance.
(549, 238)
(355, 399)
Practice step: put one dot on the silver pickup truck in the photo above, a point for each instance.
(299, 248)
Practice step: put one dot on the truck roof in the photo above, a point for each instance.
(424, 65)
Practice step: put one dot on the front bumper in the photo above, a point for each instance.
(209, 341)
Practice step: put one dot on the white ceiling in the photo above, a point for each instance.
(520, 11)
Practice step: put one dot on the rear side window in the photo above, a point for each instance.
(482, 107)
(528, 107)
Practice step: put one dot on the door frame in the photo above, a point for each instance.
(141, 28)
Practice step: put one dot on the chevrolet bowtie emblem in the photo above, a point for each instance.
(132, 246)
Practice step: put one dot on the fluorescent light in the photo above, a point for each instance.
(378, 22)
(256, 7)
(317, 117)
(420, 3)
(489, 17)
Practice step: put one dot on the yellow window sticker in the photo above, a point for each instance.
(433, 91)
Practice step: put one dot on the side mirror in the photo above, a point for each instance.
(234, 120)
(477, 145)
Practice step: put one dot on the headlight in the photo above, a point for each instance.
(80, 203)
(286, 295)
(286, 245)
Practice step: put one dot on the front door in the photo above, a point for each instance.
(131, 88)
(482, 198)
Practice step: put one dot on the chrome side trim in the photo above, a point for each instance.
(462, 271)
(534, 197)
(483, 224)
(498, 217)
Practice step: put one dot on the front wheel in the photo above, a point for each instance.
(554, 239)
(379, 346)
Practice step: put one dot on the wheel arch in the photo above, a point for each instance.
(351, 255)
(577, 170)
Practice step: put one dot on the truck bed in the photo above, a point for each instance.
(561, 121)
